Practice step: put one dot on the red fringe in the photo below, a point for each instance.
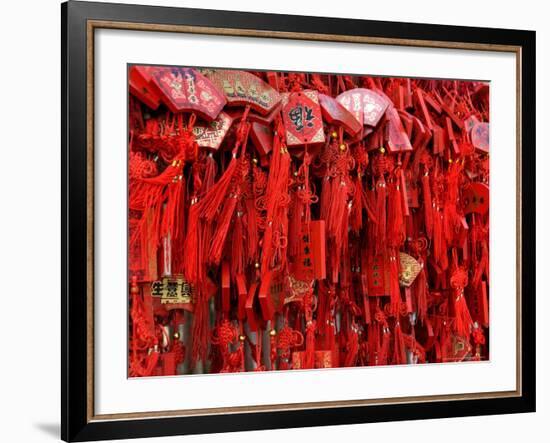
(463, 320)
(200, 329)
(222, 228)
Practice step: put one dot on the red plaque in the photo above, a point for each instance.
(318, 245)
(476, 198)
(378, 276)
(212, 134)
(226, 288)
(251, 316)
(139, 80)
(480, 136)
(243, 88)
(470, 122)
(185, 89)
(396, 136)
(367, 106)
(335, 113)
(302, 118)
(262, 137)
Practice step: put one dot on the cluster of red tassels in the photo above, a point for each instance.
(295, 221)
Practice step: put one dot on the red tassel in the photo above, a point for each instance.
(276, 201)
(463, 320)
(200, 329)
(213, 200)
(222, 228)
(356, 216)
(399, 354)
(238, 247)
(352, 347)
(437, 238)
(384, 349)
(395, 290)
(420, 291)
(295, 225)
(396, 232)
(380, 215)
(192, 247)
(309, 358)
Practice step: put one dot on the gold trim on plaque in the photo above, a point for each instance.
(96, 24)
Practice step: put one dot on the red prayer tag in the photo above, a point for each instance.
(168, 363)
(262, 137)
(139, 79)
(445, 108)
(451, 135)
(212, 134)
(185, 89)
(243, 88)
(302, 268)
(318, 245)
(367, 106)
(475, 197)
(421, 134)
(439, 139)
(242, 293)
(480, 136)
(266, 119)
(378, 276)
(396, 135)
(419, 95)
(470, 122)
(432, 103)
(264, 296)
(337, 114)
(226, 288)
(407, 121)
(302, 118)
(277, 291)
(251, 316)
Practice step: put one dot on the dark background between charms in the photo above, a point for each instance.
(30, 235)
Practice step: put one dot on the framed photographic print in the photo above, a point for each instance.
(278, 221)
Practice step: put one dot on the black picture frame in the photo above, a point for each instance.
(76, 422)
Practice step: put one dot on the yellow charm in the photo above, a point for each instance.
(409, 270)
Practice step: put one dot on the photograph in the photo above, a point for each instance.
(301, 220)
